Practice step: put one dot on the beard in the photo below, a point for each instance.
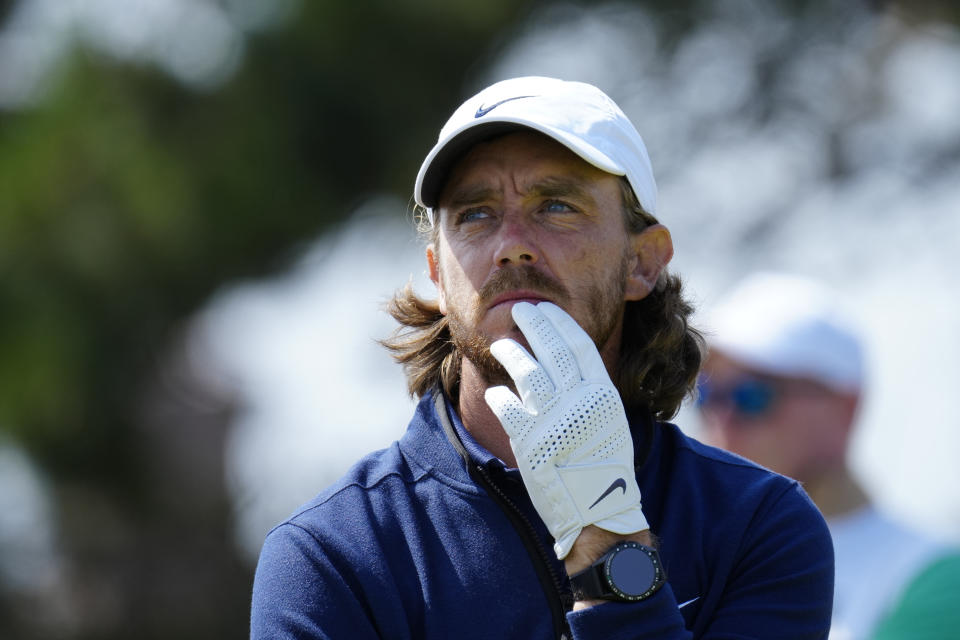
(606, 300)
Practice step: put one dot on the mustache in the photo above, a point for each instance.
(522, 277)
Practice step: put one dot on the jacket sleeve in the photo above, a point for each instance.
(780, 586)
(655, 618)
(298, 593)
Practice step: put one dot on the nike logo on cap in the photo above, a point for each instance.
(619, 483)
(482, 110)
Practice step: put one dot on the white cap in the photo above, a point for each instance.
(789, 326)
(578, 115)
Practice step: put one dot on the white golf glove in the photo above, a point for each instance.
(568, 429)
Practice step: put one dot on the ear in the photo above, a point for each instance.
(434, 268)
(652, 250)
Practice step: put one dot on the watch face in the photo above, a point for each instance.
(632, 573)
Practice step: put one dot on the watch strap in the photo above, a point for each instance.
(588, 584)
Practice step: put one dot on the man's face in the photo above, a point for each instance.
(794, 426)
(523, 218)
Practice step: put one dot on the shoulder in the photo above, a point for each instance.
(673, 438)
(313, 566)
(365, 489)
(343, 522)
(382, 497)
(740, 541)
(724, 500)
(726, 476)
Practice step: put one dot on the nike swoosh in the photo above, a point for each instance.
(681, 606)
(482, 110)
(619, 483)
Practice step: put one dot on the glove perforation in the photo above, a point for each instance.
(567, 428)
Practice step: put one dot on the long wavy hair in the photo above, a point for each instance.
(660, 353)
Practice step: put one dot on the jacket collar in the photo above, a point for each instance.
(431, 440)
(436, 439)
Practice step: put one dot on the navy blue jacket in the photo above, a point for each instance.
(433, 538)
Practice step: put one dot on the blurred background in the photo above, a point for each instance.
(205, 203)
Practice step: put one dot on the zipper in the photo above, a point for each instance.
(559, 599)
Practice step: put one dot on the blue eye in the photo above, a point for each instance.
(556, 206)
(471, 215)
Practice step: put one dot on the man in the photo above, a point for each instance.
(532, 496)
(782, 385)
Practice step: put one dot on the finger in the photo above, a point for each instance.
(589, 362)
(547, 344)
(509, 411)
(533, 384)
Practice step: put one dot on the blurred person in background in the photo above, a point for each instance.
(782, 385)
(511, 508)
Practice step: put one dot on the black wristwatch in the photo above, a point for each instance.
(628, 572)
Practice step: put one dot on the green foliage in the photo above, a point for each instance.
(125, 199)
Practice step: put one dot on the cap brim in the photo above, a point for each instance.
(437, 165)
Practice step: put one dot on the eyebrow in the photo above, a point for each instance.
(544, 187)
(472, 194)
(559, 187)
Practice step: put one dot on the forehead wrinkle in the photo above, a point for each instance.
(468, 194)
(537, 187)
(537, 179)
(557, 187)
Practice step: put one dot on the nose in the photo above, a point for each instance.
(516, 244)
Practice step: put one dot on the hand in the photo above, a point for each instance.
(568, 428)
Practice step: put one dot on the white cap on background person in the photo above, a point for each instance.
(790, 326)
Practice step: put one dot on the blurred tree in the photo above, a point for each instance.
(125, 201)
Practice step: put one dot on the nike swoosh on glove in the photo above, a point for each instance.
(567, 428)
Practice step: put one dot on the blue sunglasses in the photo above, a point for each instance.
(750, 397)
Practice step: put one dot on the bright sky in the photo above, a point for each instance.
(319, 392)
(199, 42)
